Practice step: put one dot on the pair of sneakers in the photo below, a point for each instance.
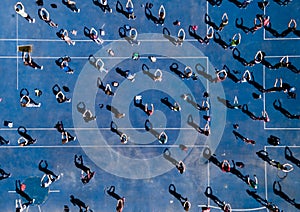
(31, 21)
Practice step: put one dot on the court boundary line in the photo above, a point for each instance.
(105, 57)
(280, 56)
(265, 163)
(264, 95)
(17, 53)
(105, 146)
(280, 146)
(237, 209)
(89, 40)
(94, 128)
(266, 176)
(274, 38)
(50, 191)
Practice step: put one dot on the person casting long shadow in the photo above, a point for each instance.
(86, 173)
(126, 74)
(128, 13)
(111, 192)
(45, 169)
(103, 5)
(20, 190)
(129, 34)
(106, 89)
(192, 33)
(138, 102)
(71, 5)
(237, 55)
(87, 115)
(224, 206)
(248, 112)
(269, 205)
(215, 2)
(4, 174)
(289, 156)
(189, 99)
(208, 21)
(79, 203)
(286, 167)
(206, 130)
(167, 35)
(114, 128)
(278, 191)
(211, 158)
(191, 122)
(243, 138)
(3, 141)
(172, 106)
(272, 30)
(162, 137)
(65, 136)
(120, 200)
(149, 14)
(115, 111)
(200, 69)
(240, 25)
(228, 104)
(28, 140)
(218, 39)
(236, 172)
(59, 95)
(156, 76)
(278, 106)
(178, 164)
(26, 100)
(183, 200)
(230, 75)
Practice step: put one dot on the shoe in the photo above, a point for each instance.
(139, 97)
(68, 100)
(33, 20)
(42, 67)
(78, 11)
(74, 139)
(110, 10)
(73, 43)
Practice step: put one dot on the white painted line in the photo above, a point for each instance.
(105, 146)
(236, 209)
(264, 94)
(208, 181)
(283, 128)
(282, 146)
(280, 39)
(54, 191)
(266, 181)
(105, 57)
(142, 128)
(17, 44)
(280, 56)
(84, 40)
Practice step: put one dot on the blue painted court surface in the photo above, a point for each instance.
(138, 169)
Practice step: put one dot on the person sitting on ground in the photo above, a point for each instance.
(64, 35)
(94, 36)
